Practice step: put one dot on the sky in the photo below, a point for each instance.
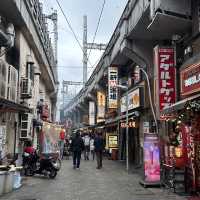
(69, 53)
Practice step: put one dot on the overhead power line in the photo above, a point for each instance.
(74, 34)
(98, 23)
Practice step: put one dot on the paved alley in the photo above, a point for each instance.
(88, 183)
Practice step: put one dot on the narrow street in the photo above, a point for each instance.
(110, 183)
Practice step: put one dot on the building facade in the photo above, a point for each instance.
(29, 87)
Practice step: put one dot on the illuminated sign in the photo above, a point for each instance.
(133, 100)
(101, 102)
(112, 89)
(132, 124)
(190, 80)
(164, 60)
(112, 141)
(151, 158)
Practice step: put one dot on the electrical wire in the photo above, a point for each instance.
(74, 34)
(98, 23)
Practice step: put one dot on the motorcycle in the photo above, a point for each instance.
(44, 165)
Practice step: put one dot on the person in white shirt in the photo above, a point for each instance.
(87, 146)
(92, 152)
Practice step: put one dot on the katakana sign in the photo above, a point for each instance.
(165, 64)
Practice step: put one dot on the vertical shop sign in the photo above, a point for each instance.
(91, 113)
(165, 65)
(101, 102)
(151, 158)
(112, 87)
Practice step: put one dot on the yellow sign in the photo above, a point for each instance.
(101, 102)
(132, 124)
(112, 141)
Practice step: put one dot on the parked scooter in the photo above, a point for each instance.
(44, 165)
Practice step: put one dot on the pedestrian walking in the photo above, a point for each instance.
(92, 152)
(61, 142)
(87, 146)
(99, 146)
(77, 146)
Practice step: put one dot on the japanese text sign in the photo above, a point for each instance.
(112, 87)
(165, 61)
(190, 80)
(101, 101)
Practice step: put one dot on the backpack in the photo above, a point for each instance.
(87, 141)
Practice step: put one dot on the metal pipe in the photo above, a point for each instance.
(150, 98)
(127, 134)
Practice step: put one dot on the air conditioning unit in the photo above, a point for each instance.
(26, 126)
(12, 87)
(3, 78)
(26, 88)
(178, 7)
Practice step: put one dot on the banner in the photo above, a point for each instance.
(101, 103)
(164, 58)
(50, 136)
(91, 113)
(112, 87)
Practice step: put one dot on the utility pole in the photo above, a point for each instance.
(87, 46)
(84, 49)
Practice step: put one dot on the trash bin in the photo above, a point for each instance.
(8, 184)
(114, 154)
(2, 181)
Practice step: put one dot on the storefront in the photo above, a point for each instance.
(135, 103)
(181, 145)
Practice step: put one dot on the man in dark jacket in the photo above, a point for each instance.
(77, 146)
(99, 146)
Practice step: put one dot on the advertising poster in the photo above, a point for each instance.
(151, 158)
(50, 136)
(101, 103)
(112, 89)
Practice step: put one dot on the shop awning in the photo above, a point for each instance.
(10, 106)
(179, 105)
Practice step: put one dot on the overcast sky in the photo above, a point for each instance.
(69, 53)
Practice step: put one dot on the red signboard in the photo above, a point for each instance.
(190, 80)
(165, 60)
